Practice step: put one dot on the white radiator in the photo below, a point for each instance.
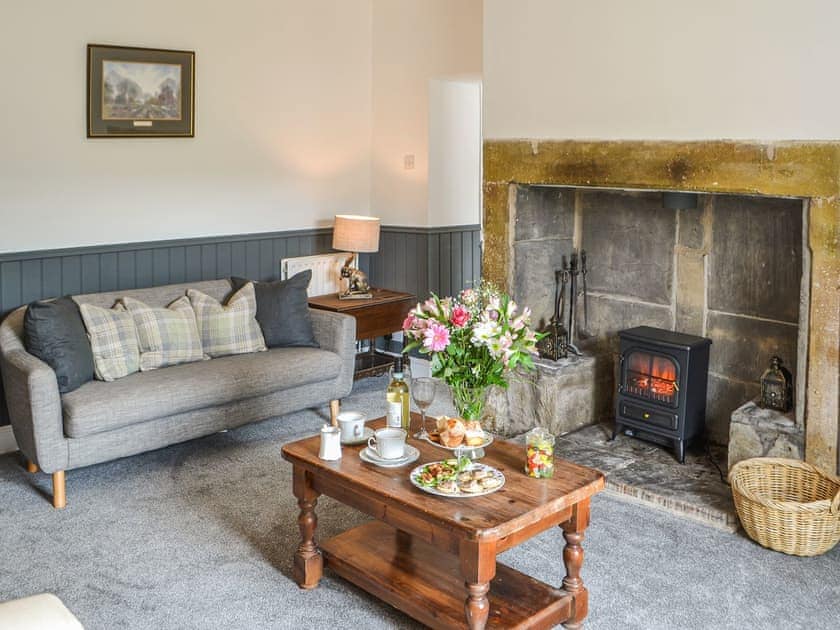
(326, 271)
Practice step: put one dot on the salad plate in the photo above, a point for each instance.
(449, 478)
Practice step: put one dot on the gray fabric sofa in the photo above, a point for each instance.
(148, 410)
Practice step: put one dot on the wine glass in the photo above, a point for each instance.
(423, 392)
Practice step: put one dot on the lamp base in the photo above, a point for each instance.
(355, 296)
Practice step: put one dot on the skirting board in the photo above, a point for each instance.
(7, 440)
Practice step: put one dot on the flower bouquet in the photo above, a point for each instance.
(474, 341)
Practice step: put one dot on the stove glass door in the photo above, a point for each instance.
(651, 376)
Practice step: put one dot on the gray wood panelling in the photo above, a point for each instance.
(418, 260)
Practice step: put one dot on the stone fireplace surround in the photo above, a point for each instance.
(809, 171)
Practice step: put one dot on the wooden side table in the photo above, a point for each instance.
(375, 317)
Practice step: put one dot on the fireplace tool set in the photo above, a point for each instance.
(559, 339)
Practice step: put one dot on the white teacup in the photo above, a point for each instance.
(352, 424)
(388, 443)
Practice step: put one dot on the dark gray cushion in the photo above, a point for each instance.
(100, 406)
(54, 332)
(283, 310)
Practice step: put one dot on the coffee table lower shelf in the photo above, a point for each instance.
(425, 582)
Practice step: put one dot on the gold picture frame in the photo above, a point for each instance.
(140, 92)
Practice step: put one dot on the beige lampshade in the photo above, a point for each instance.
(354, 233)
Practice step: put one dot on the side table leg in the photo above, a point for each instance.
(308, 564)
(478, 566)
(573, 530)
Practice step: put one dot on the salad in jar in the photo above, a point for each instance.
(539, 446)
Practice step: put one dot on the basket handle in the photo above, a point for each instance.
(835, 504)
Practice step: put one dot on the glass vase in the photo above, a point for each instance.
(468, 401)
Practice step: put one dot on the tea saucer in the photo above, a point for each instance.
(371, 457)
(366, 434)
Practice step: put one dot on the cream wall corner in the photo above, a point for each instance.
(413, 44)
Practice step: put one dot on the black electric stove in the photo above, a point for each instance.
(663, 377)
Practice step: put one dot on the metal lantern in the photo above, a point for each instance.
(776, 387)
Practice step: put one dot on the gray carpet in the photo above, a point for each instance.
(200, 535)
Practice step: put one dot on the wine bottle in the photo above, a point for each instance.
(397, 398)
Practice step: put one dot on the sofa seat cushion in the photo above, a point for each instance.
(98, 406)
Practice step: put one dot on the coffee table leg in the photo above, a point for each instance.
(308, 563)
(478, 566)
(573, 530)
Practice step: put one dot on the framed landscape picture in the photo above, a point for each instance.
(140, 92)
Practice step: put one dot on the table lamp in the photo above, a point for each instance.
(355, 234)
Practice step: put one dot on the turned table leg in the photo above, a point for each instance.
(478, 566)
(573, 530)
(308, 563)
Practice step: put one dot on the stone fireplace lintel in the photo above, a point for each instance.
(807, 170)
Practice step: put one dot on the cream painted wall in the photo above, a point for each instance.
(414, 41)
(455, 152)
(661, 69)
(283, 132)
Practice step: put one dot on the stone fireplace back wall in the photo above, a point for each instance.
(730, 269)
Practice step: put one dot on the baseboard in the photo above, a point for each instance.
(7, 440)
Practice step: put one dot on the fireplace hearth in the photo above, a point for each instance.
(662, 383)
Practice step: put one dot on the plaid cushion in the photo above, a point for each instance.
(229, 329)
(167, 336)
(113, 341)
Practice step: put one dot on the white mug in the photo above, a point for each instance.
(388, 443)
(330, 443)
(352, 425)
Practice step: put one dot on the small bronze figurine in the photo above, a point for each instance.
(776, 387)
(357, 282)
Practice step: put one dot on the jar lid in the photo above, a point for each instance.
(539, 433)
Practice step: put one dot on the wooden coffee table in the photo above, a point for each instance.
(434, 557)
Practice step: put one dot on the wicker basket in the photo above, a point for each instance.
(787, 505)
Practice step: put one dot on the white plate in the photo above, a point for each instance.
(366, 434)
(370, 456)
(415, 475)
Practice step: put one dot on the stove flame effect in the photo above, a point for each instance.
(652, 376)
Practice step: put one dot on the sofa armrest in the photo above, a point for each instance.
(34, 406)
(337, 333)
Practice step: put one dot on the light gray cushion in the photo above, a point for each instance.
(167, 336)
(113, 341)
(98, 406)
(228, 329)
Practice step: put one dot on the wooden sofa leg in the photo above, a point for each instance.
(59, 493)
(31, 467)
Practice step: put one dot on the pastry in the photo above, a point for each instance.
(473, 425)
(465, 476)
(448, 486)
(453, 433)
(490, 482)
(473, 433)
(472, 486)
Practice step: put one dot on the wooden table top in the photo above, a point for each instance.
(520, 503)
(331, 301)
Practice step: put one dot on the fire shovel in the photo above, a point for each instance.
(583, 331)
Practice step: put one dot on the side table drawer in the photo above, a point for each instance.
(381, 319)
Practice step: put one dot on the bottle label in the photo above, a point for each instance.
(395, 414)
